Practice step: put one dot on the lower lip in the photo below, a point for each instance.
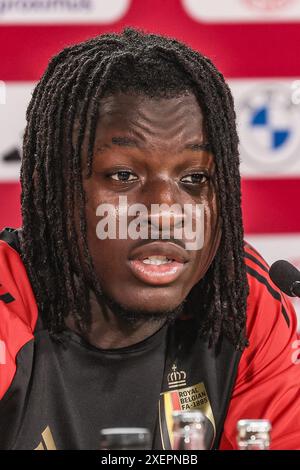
(156, 274)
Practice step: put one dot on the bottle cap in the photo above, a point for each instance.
(193, 416)
(246, 426)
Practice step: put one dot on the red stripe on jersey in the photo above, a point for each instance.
(18, 313)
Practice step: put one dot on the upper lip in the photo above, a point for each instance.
(168, 249)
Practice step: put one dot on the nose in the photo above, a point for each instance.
(163, 216)
(165, 209)
(160, 189)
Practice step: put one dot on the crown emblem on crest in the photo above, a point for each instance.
(176, 378)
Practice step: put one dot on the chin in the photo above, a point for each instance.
(153, 302)
(150, 308)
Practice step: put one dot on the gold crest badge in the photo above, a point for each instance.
(183, 399)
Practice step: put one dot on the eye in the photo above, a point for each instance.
(195, 178)
(123, 175)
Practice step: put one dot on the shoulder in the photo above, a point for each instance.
(18, 309)
(265, 299)
(271, 319)
(15, 289)
(268, 378)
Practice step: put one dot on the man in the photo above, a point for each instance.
(108, 331)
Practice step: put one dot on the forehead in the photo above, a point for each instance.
(150, 117)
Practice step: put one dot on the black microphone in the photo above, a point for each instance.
(286, 277)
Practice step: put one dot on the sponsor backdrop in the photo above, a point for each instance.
(255, 43)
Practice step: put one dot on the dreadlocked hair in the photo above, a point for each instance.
(51, 176)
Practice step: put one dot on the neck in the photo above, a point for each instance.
(108, 331)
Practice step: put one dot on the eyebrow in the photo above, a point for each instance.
(198, 146)
(123, 141)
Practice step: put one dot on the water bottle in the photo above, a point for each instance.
(188, 430)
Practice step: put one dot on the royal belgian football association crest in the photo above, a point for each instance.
(181, 397)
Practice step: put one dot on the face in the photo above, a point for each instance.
(152, 151)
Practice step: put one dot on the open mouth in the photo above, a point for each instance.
(157, 260)
(158, 263)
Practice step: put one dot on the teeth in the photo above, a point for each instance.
(157, 260)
